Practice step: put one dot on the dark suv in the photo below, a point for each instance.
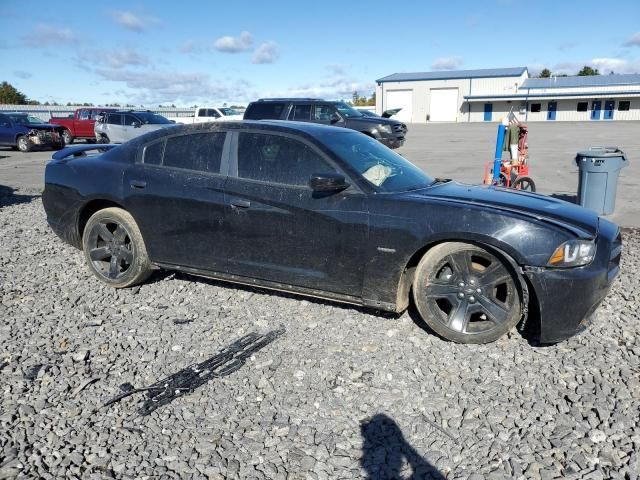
(389, 132)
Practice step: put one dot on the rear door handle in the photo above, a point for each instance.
(138, 183)
(240, 203)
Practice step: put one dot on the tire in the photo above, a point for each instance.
(104, 139)
(467, 294)
(114, 248)
(67, 137)
(24, 144)
(525, 183)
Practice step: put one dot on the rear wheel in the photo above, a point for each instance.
(67, 137)
(114, 248)
(524, 183)
(466, 294)
(24, 144)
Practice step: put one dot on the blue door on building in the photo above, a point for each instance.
(488, 110)
(551, 110)
(609, 105)
(596, 107)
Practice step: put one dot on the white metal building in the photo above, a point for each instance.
(490, 94)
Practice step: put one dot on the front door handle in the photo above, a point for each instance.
(138, 183)
(240, 203)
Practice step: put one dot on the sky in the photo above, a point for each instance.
(210, 52)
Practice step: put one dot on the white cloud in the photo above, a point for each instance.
(134, 22)
(633, 40)
(605, 65)
(113, 58)
(47, 35)
(234, 44)
(22, 74)
(265, 53)
(155, 87)
(447, 63)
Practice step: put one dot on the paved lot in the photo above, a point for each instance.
(460, 152)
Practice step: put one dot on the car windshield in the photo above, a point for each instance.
(151, 118)
(228, 111)
(25, 119)
(379, 165)
(347, 111)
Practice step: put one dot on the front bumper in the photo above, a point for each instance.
(568, 298)
(392, 142)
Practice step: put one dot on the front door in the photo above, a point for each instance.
(609, 106)
(6, 130)
(175, 193)
(551, 110)
(488, 112)
(280, 230)
(596, 107)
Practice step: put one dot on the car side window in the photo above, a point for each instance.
(129, 120)
(323, 113)
(202, 112)
(84, 115)
(300, 112)
(153, 153)
(278, 159)
(199, 151)
(114, 119)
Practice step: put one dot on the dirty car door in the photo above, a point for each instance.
(279, 229)
(175, 193)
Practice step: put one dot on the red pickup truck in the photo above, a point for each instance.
(80, 124)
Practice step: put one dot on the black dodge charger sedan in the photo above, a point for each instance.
(331, 213)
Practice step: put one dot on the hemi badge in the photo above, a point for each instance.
(386, 250)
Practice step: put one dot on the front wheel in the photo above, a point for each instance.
(525, 183)
(67, 137)
(114, 248)
(466, 294)
(24, 144)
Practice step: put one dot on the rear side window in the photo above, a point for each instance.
(300, 112)
(278, 159)
(114, 119)
(199, 151)
(264, 110)
(153, 153)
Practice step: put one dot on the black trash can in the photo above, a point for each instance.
(598, 180)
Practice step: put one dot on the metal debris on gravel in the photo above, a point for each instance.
(345, 394)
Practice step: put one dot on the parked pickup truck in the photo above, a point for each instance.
(210, 114)
(80, 124)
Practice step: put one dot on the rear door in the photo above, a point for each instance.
(114, 128)
(175, 193)
(279, 229)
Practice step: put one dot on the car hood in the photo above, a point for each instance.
(541, 207)
(39, 126)
(375, 120)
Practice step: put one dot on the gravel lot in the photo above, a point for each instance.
(344, 393)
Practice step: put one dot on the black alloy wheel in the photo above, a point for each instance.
(466, 293)
(114, 249)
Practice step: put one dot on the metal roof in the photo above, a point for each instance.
(454, 74)
(586, 81)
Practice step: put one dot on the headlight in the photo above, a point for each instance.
(384, 128)
(573, 253)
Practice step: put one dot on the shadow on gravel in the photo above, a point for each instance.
(162, 275)
(8, 197)
(384, 449)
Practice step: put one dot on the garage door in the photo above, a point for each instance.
(400, 99)
(444, 105)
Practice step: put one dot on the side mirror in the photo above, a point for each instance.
(335, 118)
(327, 182)
(135, 124)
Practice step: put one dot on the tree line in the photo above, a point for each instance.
(586, 71)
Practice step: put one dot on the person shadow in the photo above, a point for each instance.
(386, 455)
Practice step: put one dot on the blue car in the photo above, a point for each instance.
(24, 132)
